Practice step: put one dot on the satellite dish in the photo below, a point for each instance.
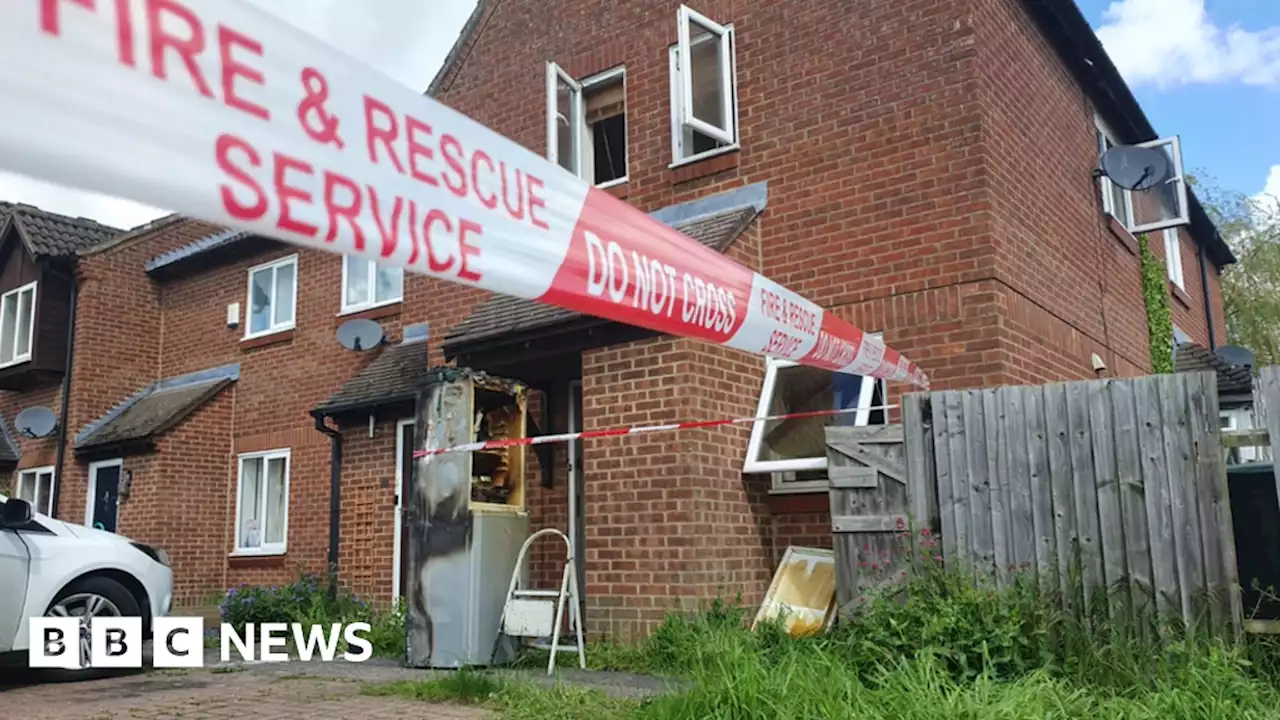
(1136, 168)
(36, 422)
(360, 335)
(1235, 355)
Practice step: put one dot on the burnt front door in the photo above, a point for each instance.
(104, 499)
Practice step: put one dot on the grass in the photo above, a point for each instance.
(940, 647)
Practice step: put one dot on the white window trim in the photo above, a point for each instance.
(675, 80)
(752, 465)
(1173, 257)
(265, 548)
(684, 17)
(16, 293)
(1108, 196)
(92, 488)
(555, 75)
(37, 472)
(579, 89)
(588, 84)
(370, 304)
(272, 328)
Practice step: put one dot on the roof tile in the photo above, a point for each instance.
(156, 408)
(1232, 379)
(52, 235)
(395, 374)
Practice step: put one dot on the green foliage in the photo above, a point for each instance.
(1251, 287)
(307, 600)
(1155, 292)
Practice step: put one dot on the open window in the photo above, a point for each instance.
(587, 125)
(564, 119)
(1143, 211)
(704, 104)
(794, 450)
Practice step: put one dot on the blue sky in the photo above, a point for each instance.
(1207, 71)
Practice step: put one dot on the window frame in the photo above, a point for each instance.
(263, 548)
(1180, 177)
(675, 75)
(1173, 257)
(372, 301)
(1108, 187)
(15, 295)
(272, 327)
(753, 465)
(36, 472)
(602, 78)
(556, 74)
(686, 16)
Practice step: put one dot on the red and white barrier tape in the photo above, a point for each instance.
(613, 432)
(239, 118)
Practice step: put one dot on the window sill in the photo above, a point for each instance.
(374, 312)
(259, 341)
(15, 363)
(619, 190)
(1180, 295)
(256, 560)
(1120, 233)
(787, 502)
(710, 164)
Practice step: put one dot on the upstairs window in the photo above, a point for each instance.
(366, 284)
(794, 450)
(273, 295)
(17, 324)
(587, 125)
(704, 92)
(1173, 256)
(1158, 208)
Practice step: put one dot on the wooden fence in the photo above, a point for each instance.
(1109, 489)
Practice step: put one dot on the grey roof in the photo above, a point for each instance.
(395, 375)
(1232, 379)
(10, 453)
(156, 408)
(204, 244)
(503, 314)
(49, 234)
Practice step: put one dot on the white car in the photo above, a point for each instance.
(49, 567)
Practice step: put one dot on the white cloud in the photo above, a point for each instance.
(1173, 42)
(1266, 204)
(405, 39)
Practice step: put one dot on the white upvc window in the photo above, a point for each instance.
(794, 451)
(1242, 419)
(36, 487)
(366, 284)
(262, 503)
(704, 88)
(17, 324)
(1142, 211)
(587, 125)
(1173, 256)
(273, 297)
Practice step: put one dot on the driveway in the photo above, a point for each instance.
(215, 694)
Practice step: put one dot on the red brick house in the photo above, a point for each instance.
(926, 170)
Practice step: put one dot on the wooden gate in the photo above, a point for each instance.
(869, 508)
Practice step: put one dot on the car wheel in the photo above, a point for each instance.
(89, 598)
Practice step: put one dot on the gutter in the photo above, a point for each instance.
(64, 408)
(335, 497)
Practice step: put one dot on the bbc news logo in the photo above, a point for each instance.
(178, 642)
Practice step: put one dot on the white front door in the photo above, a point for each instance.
(404, 466)
(576, 491)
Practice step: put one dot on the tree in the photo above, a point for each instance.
(1251, 288)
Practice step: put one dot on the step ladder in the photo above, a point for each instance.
(537, 615)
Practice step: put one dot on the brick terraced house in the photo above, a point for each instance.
(925, 169)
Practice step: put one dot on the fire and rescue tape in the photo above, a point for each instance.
(614, 432)
(217, 110)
